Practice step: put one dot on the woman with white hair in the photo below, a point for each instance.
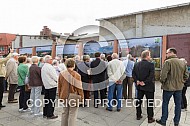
(36, 86)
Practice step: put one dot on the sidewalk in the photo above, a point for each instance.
(9, 116)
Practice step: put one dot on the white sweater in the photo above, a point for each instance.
(116, 70)
(49, 76)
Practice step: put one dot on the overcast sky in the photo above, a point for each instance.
(65, 16)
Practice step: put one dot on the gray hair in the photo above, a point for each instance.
(103, 56)
(86, 57)
(129, 56)
(47, 58)
(114, 56)
(34, 59)
(77, 57)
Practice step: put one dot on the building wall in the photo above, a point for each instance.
(152, 23)
(31, 41)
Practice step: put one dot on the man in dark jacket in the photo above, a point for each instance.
(83, 68)
(98, 69)
(143, 74)
(173, 76)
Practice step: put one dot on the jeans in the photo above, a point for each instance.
(23, 97)
(177, 100)
(119, 88)
(35, 96)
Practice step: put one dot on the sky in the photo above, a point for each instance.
(27, 17)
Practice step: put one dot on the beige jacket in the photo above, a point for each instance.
(11, 71)
(75, 87)
(2, 65)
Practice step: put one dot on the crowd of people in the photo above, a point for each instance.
(107, 78)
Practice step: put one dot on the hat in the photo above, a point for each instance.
(15, 54)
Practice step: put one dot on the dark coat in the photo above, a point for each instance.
(144, 71)
(98, 69)
(82, 70)
(187, 83)
(35, 76)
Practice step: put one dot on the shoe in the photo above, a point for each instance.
(44, 116)
(176, 124)
(1, 106)
(138, 118)
(109, 109)
(20, 110)
(160, 122)
(118, 110)
(151, 120)
(27, 110)
(39, 114)
(52, 117)
(13, 101)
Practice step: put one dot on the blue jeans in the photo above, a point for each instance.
(177, 100)
(119, 88)
(35, 96)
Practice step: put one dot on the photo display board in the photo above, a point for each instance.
(25, 51)
(136, 46)
(90, 48)
(44, 50)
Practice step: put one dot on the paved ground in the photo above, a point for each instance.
(9, 116)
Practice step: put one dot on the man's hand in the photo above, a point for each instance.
(118, 82)
(141, 83)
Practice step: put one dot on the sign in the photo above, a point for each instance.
(25, 51)
(44, 50)
(136, 46)
(59, 49)
(70, 49)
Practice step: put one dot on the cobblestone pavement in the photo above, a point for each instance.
(9, 116)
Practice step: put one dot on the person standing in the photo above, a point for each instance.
(128, 81)
(22, 73)
(2, 76)
(143, 75)
(36, 85)
(49, 79)
(83, 68)
(69, 82)
(98, 69)
(173, 76)
(12, 77)
(116, 74)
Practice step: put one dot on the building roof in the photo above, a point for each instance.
(6, 39)
(145, 11)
